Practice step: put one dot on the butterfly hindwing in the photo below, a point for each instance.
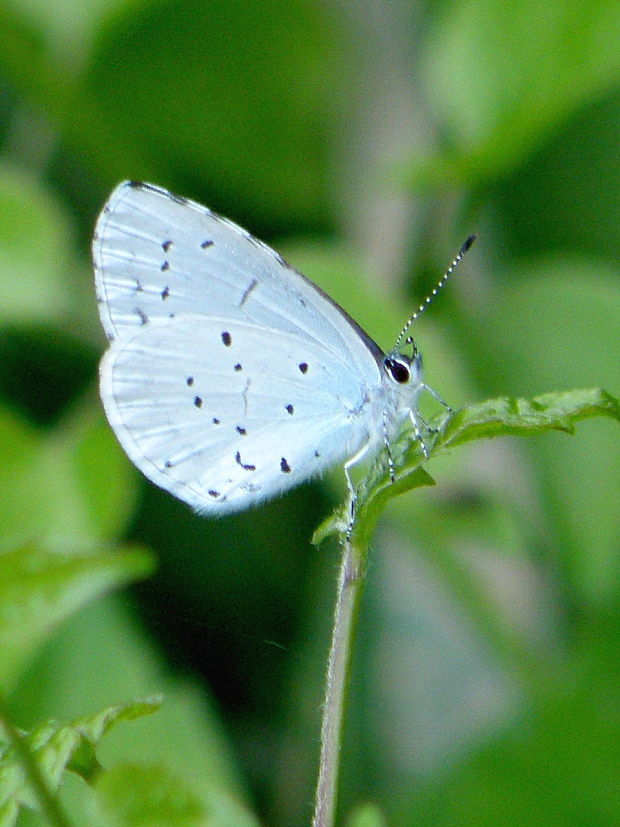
(224, 412)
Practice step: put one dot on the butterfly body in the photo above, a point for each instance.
(230, 377)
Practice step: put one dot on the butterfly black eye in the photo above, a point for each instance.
(398, 370)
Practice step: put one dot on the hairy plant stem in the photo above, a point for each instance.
(350, 585)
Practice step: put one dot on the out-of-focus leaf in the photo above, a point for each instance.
(504, 76)
(66, 26)
(557, 764)
(39, 589)
(367, 815)
(132, 795)
(556, 322)
(35, 249)
(247, 90)
(71, 481)
(586, 214)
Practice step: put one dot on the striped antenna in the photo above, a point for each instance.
(435, 289)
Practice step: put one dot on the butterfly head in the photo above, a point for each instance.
(402, 368)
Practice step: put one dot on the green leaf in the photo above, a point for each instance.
(72, 481)
(134, 795)
(57, 748)
(556, 763)
(92, 729)
(34, 240)
(103, 652)
(40, 588)
(504, 76)
(555, 324)
(508, 416)
(267, 147)
(368, 815)
(505, 416)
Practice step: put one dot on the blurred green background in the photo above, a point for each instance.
(364, 139)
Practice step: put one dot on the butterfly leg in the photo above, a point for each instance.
(416, 419)
(352, 493)
(436, 396)
(388, 447)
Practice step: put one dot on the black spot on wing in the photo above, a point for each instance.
(303, 367)
(245, 466)
(247, 292)
(227, 338)
(284, 466)
(290, 409)
(198, 401)
(166, 245)
(165, 292)
(206, 244)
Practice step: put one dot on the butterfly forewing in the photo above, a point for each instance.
(158, 256)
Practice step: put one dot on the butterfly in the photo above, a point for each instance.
(230, 377)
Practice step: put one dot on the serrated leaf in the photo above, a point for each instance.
(92, 728)
(505, 416)
(40, 588)
(508, 416)
(57, 748)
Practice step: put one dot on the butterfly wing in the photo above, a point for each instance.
(157, 256)
(225, 412)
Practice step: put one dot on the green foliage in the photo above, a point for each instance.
(366, 816)
(497, 116)
(142, 796)
(54, 749)
(506, 416)
(39, 589)
(33, 276)
(372, 139)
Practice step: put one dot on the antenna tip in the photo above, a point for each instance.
(467, 244)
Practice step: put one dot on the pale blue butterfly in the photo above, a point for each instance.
(230, 377)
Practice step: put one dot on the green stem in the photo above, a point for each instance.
(350, 585)
(48, 803)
